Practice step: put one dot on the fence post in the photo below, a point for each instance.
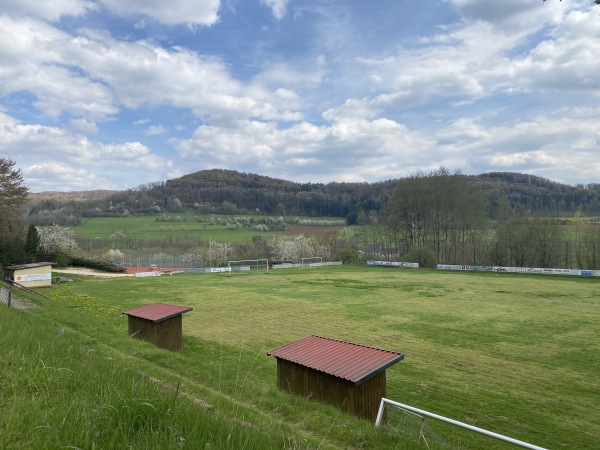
(9, 298)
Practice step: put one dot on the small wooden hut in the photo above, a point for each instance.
(349, 376)
(158, 323)
(29, 275)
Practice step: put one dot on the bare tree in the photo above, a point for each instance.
(441, 211)
(587, 242)
(530, 242)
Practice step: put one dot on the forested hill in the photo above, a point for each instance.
(531, 195)
(231, 192)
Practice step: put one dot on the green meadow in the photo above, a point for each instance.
(186, 225)
(149, 228)
(515, 354)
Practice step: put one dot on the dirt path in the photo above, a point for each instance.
(90, 272)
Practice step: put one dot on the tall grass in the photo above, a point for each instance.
(60, 390)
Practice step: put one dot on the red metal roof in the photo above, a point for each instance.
(157, 312)
(352, 362)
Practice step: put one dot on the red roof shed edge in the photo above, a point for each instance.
(370, 375)
(170, 316)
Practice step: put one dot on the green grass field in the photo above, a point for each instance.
(190, 225)
(514, 354)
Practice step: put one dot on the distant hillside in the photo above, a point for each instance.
(531, 195)
(231, 192)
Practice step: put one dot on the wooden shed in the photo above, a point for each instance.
(349, 376)
(158, 323)
(29, 275)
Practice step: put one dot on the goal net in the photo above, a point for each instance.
(315, 261)
(403, 424)
(248, 266)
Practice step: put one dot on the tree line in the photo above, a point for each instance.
(442, 217)
(428, 218)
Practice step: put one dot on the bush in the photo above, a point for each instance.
(62, 259)
(423, 255)
(95, 264)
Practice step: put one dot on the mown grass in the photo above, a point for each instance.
(514, 354)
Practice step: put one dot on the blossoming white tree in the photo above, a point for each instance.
(289, 249)
(194, 256)
(114, 256)
(56, 239)
(217, 253)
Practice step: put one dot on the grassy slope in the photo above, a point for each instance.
(63, 390)
(514, 354)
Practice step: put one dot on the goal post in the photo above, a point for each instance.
(314, 261)
(421, 413)
(248, 265)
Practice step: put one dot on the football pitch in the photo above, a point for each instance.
(515, 354)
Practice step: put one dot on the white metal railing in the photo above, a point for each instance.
(453, 422)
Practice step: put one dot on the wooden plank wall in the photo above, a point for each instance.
(360, 400)
(170, 334)
(167, 334)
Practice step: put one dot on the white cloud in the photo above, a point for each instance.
(174, 12)
(142, 73)
(352, 108)
(568, 64)
(512, 15)
(280, 74)
(48, 175)
(19, 37)
(516, 161)
(46, 10)
(481, 58)
(52, 156)
(278, 7)
(44, 73)
(93, 75)
(354, 149)
(83, 126)
(155, 130)
(562, 146)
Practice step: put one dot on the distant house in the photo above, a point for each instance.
(29, 275)
(349, 376)
(158, 323)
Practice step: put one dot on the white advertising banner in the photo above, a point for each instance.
(33, 277)
(147, 274)
(393, 264)
(535, 270)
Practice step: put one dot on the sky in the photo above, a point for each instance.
(116, 94)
